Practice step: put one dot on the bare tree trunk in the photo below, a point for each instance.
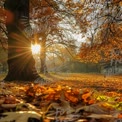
(21, 65)
(43, 68)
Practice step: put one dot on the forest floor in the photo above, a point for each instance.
(92, 81)
(68, 97)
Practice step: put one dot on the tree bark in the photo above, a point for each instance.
(21, 64)
(43, 68)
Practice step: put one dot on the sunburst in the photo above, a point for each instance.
(35, 49)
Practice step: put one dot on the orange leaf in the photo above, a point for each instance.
(91, 101)
(120, 116)
(86, 96)
(71, 98)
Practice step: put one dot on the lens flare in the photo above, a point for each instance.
(35, 49)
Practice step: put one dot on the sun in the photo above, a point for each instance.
(35, 49)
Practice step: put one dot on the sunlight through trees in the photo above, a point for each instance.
(35, 49)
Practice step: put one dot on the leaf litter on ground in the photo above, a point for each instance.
(62, 100)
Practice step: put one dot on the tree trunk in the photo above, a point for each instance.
(43, 68)
(21, 64)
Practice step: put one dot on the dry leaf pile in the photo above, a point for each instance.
(59, 103)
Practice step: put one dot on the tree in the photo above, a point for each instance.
(98, 25)
(41, 18)
(3, 58)
(21, 65)
(50, 7)
(104, 32)
(46, 17)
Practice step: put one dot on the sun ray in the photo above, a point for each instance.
(35, 49)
